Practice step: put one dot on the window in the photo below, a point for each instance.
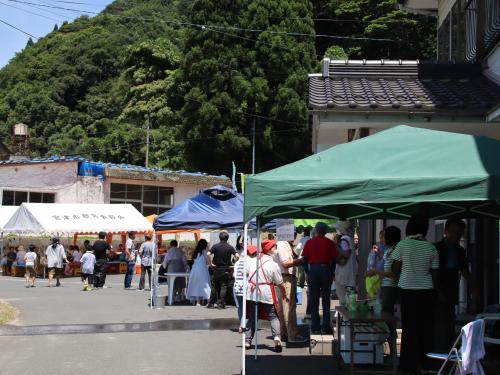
(147, 199)
(16, 198)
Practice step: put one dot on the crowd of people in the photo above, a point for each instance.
(418, 278)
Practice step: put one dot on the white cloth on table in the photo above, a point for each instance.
(55, 256)
(472, 349)
(199, 279)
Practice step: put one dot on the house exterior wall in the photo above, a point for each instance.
(58, 178)
(444, 7)
(62, 180)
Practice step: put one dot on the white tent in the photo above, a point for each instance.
(55, 218)
(6, 213)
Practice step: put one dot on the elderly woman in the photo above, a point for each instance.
(416, 262)
(347, 265)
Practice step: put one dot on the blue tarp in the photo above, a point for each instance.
(217, 207)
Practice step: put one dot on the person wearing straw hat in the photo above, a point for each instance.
(261, 294)
(347, 266)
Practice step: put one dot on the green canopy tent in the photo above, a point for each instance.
(392, 174)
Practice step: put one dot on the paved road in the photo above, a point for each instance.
(113, 331)
(135, 339)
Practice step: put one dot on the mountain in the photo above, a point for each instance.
(196, 73)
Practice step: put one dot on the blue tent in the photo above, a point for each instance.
(217, 207)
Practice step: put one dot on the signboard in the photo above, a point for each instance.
(285, 230)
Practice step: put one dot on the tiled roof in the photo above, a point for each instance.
(117, 170)
(396, 86)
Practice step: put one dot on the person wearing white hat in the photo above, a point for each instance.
(347, 266)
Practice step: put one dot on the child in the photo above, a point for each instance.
(88, 261)
(30, 260)
(239, 276)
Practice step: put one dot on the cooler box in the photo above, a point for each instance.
(370, 351)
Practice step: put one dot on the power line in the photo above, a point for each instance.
(18, 29)
(212, 27)
(30, 12)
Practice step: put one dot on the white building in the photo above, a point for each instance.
(77, 180)
(458, 92)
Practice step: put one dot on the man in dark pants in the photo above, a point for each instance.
(452, 265)
(101, 249)
(221, 256)
(320, 253)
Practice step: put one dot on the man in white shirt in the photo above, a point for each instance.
(262, 295)
(283, 256)
(55, 256)
(130, 256)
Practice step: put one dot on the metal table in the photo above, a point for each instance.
(352, 319)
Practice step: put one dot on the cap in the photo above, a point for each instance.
(251, 249)
(267, 245)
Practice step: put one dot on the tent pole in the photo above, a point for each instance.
(257, 288)
(244, 299)
(153, 269)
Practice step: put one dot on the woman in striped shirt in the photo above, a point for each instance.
(416, 261)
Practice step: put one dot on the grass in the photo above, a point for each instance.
(7, 313)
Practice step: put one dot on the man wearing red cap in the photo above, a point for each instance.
(261, 293)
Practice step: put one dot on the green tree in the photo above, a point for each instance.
(228, 77)
(400, 35)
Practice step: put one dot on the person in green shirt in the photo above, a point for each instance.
(416, 262)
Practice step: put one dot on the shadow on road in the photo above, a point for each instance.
(161, 325)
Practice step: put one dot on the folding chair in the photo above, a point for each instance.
(455, 355)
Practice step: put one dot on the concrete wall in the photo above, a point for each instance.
(59, 178)
(62, 179)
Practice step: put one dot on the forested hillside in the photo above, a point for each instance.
(199, 72)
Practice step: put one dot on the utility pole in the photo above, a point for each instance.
(253, 144)
(147, 141)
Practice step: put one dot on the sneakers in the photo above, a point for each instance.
(248, 344)
(277, 345)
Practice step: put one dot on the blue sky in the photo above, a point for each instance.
(19, 14)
